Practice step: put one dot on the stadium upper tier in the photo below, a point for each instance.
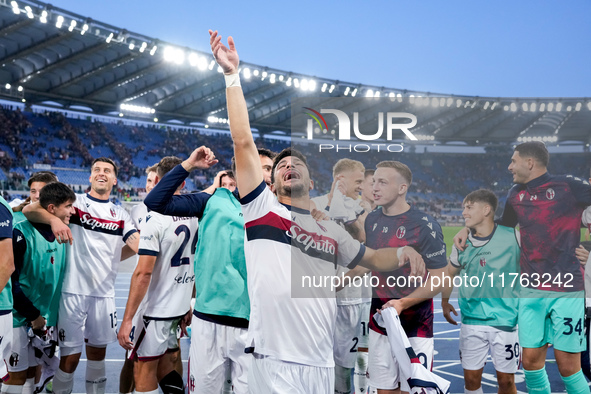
(48, 54)
(31, 142)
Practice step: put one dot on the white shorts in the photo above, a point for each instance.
(270, 376)
(156, 338)
(22, 354)
(6, 335)
(215, 350)
(383, 370)
(477, 341)
(87, 319)
(347, 334)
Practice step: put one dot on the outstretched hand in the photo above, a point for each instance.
(201, 159)
(225, 56)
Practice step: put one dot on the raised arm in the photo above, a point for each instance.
(249, 173)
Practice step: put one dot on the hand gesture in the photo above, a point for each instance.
(319, 215)
(225, 56)
(448, 309)
(201, 158)
(39, 323)
(411, 256)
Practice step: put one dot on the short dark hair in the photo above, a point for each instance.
(106, 160)
(286, 153)
(166, 164)
(369, 172)
(262, 152)
(401, 168)
(56, 193)
(42, 176)
(484, 196)
(536, 150)
(229, 174)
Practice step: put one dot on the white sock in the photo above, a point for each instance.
(479, 391)
(360, 375)
(11, 389)
(63, 382)
(342, 380)
(147, 392)
(96, 377)
(29, 386)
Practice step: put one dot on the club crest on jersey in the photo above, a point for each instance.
(550, 194)
(400, 232)
(112, 212)
(521, 195)
(62, 335)
(482, 262)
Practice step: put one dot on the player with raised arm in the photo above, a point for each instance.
(489, 312)
(105, 235)
(222, 307)
(40, 262)
(548, 210)
(164, 276)
(399, 224)
(293, 350)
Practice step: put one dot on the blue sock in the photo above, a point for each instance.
(537, 381)
(576, 383)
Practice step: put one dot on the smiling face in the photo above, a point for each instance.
(475, 213)
(521, 168)
(102, 178)
(354, 181)
(292, 178)
(63, 211)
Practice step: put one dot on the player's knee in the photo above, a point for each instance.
(70, 356)
(506, 383)
(172, 383)
(96, 353)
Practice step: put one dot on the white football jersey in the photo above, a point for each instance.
(100, 229)
(289, 320)
(172, 240)
(138, 214)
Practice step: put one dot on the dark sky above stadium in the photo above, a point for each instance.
(505, 48)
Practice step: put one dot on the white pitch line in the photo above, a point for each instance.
(438, 369)
(445, 332)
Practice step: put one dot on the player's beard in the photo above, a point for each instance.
(295, 191)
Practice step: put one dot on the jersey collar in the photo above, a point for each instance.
(97, 199)
(542, 179)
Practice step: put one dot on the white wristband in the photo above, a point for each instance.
(399, 252)
(232, 80)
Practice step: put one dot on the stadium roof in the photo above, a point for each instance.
(48, 54)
